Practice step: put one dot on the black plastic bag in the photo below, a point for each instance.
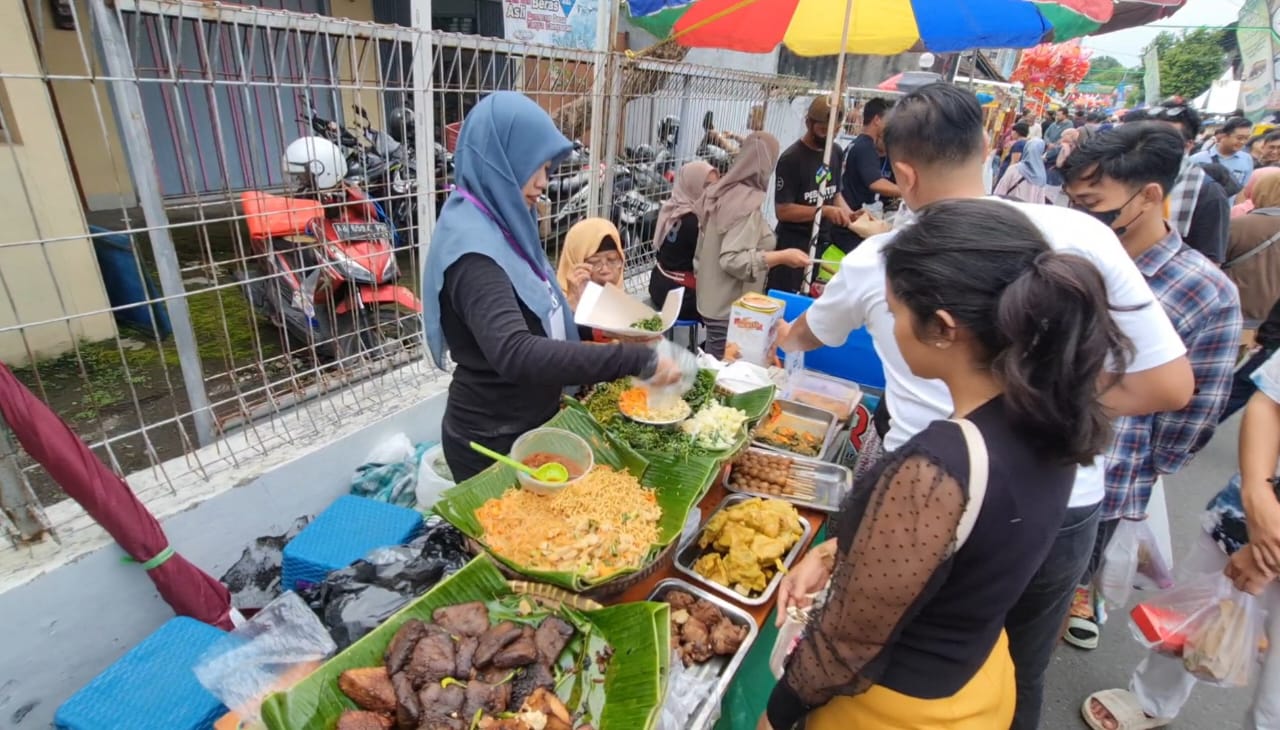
(353, 601)
(254, 580)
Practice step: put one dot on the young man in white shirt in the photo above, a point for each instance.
(936, 141)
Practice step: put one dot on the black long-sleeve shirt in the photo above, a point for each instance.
(1210, 223)
(509, 375)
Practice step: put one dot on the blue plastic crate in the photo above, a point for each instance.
(152, 686)
(341, 535)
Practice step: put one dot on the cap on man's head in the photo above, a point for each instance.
(820, 110)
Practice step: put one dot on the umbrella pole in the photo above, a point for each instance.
(837, 96)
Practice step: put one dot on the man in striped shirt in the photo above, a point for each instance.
(1121, 178)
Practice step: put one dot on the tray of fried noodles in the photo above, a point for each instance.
(598, 535)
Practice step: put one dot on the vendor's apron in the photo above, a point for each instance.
(985, 703)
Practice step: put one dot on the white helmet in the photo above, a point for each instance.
(315, 163)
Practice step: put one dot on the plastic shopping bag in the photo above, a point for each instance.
(793, 629)
(280, 645)
(1216, 630)
(1133, 559)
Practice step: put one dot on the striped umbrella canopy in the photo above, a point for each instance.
(887, 27)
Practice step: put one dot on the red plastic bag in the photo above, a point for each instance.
(1216, 630)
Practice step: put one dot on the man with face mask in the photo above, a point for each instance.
(936, 141)
(804, 184)
(1121, 178)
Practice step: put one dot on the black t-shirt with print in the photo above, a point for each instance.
(863, 167)
(804, 180)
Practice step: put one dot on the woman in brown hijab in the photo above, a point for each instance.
(1253, 252)
(736, 249)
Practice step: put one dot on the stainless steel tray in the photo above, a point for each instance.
(721, 668)
(822, 424)
(688, 554)
(831, 482)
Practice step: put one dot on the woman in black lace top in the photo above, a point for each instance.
(911, 634)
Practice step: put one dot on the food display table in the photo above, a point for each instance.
(748, 693)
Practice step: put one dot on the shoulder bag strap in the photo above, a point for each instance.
(978, 467)
(1252, 252)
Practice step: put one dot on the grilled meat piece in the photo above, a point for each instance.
(535, 676)
(706, 612)
(464, 619)
(364, 720)
(408, 709)
(679, 600)
(489, 698)
(401, 646)
(464, 656)
(440, 722)
(521, 652)
(443, 701)
(370, 688)
(552, 635)
(432, 660)
(726, 637)
(493, 641)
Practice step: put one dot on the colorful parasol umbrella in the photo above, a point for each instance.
(111, 503)
(887, 27)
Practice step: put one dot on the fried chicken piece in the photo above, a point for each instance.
(401, 646)
(551, 637)
(521, 652)
(432, 660)
(364, 720)
(679, 600)
(494, 640)
(695, 642)
(464, 657)
(370, 688)
(706, 612)
(464, 619)
(408, 709)
(727, 637)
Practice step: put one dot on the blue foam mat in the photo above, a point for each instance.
(345, 532)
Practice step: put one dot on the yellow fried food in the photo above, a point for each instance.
(745, 544)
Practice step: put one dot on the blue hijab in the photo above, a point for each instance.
(504, 140)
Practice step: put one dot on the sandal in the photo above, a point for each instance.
(1124, 708)
(1082, 631)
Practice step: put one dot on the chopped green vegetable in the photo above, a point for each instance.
(649, 324)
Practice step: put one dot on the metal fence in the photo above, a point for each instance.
(159, 293)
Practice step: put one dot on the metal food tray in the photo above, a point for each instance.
(722, 668)
(688, 554)
(823, 424)
(832, 482)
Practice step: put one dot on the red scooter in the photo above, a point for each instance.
(328, 275)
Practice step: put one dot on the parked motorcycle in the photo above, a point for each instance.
(327, 268)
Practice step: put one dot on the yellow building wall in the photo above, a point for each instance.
(47, 266)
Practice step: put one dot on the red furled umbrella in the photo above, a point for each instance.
(111, 503)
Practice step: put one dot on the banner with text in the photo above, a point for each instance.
(562, 23)
(1151, 79)
(1255, 35)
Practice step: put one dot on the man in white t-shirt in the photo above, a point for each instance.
(935, 138)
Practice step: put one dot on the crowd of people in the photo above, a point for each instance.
(1052, 351)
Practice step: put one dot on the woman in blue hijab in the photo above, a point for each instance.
(1027, 180)
(491, 300)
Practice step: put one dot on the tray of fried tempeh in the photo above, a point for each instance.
(807, 483)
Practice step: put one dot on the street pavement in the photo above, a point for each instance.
(1075, 674)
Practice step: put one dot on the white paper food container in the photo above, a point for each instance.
(610, 309)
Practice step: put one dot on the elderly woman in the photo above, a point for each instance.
(491, 300)
(676, 238)
(1253, 251)
(736, 249)
(592, 253)
(1027, 180)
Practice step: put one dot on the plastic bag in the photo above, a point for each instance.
(355, 600)
(254, 580)
(390, 473)
(793, 628)
(1216, 630)
(686, 693)
(279, 646)
(1133, 559)
(431, 483)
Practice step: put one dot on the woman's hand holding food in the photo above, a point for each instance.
(578, 280)
(794, 258)
(805, 578)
